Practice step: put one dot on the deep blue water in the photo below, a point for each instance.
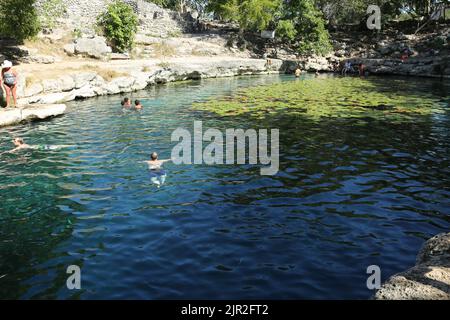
(347, 196)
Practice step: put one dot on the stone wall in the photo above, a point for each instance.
(153, 20)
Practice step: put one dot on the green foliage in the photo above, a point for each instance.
(286, 30)
(293, 20)
(250, 14)
(19, 19)
(310, 26)
(354, 11)
(161, 3)
(50, 11)
(119, 23)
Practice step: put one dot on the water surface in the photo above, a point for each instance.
(350, 193)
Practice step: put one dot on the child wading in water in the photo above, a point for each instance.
(8, 81)
(138, 105)
(126, 103)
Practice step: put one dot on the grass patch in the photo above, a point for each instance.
(163, 50)
(106, 74)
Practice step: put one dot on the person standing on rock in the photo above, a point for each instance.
(8, 80)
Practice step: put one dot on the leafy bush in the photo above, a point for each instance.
(310, 26)
(19, 19)
(119, 23)
(286, 30)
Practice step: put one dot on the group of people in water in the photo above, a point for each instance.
(8, 82)
(349, 68)
(126, 103)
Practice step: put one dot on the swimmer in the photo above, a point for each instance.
(154, 163)
(298, 72)
(157, 174)
(138, 105)
(20, 145)
(126, 103)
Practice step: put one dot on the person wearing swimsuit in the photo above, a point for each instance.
(157, 173)
(8, 80)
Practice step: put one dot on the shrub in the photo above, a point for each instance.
(19, 19)
(119, 23)
(286, 30)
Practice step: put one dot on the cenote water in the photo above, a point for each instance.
(364, 180)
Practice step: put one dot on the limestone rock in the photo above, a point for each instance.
(95, 47)
(33, 90)
(41, 59)
(428, 280)
(69, 49)
(83, 78)
(17, 115)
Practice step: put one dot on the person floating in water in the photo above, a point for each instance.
(20, 144)
(138, 105)
(8, 81)
(126, 103)
(157, 174)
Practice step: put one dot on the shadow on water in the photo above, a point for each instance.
(32, 226)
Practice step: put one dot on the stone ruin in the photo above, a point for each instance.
(153, 20)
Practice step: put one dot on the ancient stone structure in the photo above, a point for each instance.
(154, 20)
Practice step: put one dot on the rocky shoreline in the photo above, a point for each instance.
(429, 279)
(80, 85)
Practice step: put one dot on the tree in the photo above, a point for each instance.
(254, 15)
(19, 19)
(119, 23)
(309, 25)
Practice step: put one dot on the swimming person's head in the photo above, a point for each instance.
(137, 102)
(18, 142)
(154, 156)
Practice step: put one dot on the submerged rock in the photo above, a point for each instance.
(428, 280)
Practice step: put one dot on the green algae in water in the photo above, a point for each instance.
(327, 97)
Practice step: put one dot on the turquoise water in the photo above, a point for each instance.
(347, 196)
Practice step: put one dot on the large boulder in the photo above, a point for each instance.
(428, 280)
(95, 47)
